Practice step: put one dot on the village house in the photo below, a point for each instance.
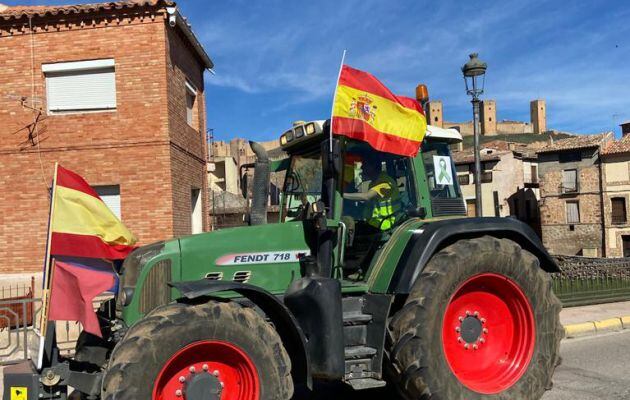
(616, 196)
(571, 206)
(115, 92)
(509, 181)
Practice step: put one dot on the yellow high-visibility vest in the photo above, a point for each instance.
(387, 204)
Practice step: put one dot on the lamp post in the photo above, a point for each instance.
(475, 78)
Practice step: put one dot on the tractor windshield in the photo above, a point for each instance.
(303, 185)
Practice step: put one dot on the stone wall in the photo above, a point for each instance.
(564, 240)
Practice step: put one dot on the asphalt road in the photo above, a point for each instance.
(593, 368)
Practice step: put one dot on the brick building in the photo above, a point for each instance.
(570, 189)
(115, 92)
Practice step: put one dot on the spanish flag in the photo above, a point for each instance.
(82, 225)
(84, 239)
(364, 109)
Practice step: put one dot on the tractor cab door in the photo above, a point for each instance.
(378, 192)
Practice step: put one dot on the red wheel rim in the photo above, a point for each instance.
(488, 333)
(229, 371)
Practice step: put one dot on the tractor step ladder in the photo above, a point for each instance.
(361, 371)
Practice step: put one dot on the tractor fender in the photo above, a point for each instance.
(283, 321)
(434, 236)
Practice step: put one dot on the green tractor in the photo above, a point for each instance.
(399, 289)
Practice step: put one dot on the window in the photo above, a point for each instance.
(463, 179)
(569, 156)
(534, 173)
(110, 195)
(191, 98)
(573, 212)
(569, 181)
(302, 185)
(486, 177)
(618, 210)
(195, 211)
(439, 170)
(367, 170)
(80, 86)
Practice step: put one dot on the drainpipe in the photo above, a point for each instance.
(601, 202)
(260, 187)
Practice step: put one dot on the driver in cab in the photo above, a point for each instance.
(382, 197)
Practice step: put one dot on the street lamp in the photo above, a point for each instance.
(475, 78)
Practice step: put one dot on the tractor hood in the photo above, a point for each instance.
(264, 255)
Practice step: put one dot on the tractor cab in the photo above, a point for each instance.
(366, 193)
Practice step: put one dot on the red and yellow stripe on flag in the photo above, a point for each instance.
(366, 110)
(82, 225)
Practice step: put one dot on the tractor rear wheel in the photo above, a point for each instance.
(481, 322)
(216, 350)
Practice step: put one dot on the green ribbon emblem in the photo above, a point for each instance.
(444, 175)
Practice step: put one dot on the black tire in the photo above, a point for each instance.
(417, 363)
(137, 359)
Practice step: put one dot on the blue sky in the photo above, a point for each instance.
(277, 61)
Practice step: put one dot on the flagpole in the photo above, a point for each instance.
(47, 273)
(332, 110)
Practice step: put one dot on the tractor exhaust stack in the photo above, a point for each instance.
(260, 189)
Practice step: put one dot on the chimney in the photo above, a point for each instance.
(625, 128)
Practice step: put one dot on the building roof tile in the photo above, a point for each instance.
(468, 157)
(17, 12)
(617, 146)
(577, 142)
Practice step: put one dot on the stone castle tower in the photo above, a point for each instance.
(488, 116)
(434, 116)
(538, 114)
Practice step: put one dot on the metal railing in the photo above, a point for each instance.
(586, 280)
(16, 329)
(19, 327)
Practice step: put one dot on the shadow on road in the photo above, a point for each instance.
(341, 391)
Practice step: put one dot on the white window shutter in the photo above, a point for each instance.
(80, 89)
(111, 197)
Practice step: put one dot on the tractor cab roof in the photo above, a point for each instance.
(446, 135)
(305, 134)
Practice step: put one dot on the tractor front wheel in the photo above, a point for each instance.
(216, 350)
(481, 322)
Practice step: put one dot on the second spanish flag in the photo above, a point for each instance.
(366, 110)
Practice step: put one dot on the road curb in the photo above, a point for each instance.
(591, 328)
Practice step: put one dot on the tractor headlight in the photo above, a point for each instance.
(299, 132)
(283, 140)
(310, 129)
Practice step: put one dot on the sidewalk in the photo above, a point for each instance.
(600, 318)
